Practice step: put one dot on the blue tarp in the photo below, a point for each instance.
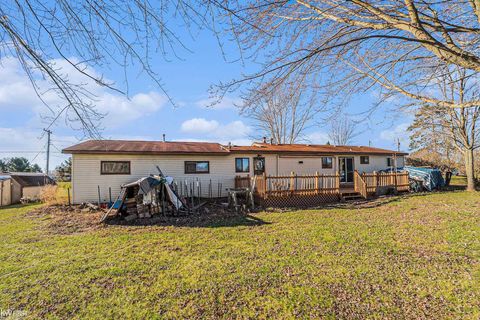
(432, 178)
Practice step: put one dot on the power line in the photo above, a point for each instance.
(35, 156)
(27, 151)
(53, 145)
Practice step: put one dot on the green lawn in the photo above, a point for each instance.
(460, 181)
(403, 257)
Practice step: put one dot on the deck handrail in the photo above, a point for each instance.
(374, 180)
(285, 185)
(359, 184)
(292, 184)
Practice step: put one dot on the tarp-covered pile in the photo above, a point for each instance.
(431, 178)
(428, 178)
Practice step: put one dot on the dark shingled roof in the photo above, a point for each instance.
(31, 179)
(160, 147)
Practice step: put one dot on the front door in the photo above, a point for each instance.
(258, 165)
(345, 167)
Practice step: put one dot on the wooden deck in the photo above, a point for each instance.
(312, 190)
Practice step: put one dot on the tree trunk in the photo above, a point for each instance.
(470, 169)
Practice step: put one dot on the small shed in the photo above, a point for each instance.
(5, 190)
(17, 185)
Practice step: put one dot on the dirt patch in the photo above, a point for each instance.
(213, 217)
(61, 219)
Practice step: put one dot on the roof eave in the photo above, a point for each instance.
(143, 152)
(320, 153)
(224, 153)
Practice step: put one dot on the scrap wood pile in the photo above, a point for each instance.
(146, 197)
(149, 196)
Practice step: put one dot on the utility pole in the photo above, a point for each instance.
(49, 132)
(398, 144)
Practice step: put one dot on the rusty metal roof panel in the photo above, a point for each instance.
(312, 148)
(145, 147)
(170, 147)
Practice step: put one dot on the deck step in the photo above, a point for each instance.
(350, 193)
(347, 196)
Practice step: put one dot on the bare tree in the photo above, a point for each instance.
(356, 45)
(430, 141)
(397, 47)
(350, 46)
(342, 130)
(283, 114)
(89, 34)
(460, 125)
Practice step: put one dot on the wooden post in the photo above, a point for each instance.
(264, 185)
(292, 181)
(338, 181)
(355, 180)
(98, 188)
(395, 181)
(363, 176)
(317, 184)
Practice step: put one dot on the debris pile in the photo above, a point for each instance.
(145, 197)
(157, 194)
(88, 207)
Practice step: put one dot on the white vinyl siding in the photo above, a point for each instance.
(310, 165)
(86, 177)
(376, 163)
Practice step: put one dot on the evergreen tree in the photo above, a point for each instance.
(18, 164)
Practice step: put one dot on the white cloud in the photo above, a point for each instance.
(234, 129)
(199, 125)
(215, 104)
(400, 132)
(211, 130)
(317, 137)
(120, 110)
(16, 91)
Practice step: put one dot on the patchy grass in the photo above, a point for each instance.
(460, 181)
(62, 191)
(402, 257)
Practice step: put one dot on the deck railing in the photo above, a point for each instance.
(292, 184)
(243, 182)
(372, 181)
(366, 184)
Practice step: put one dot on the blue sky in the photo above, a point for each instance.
(146, 113)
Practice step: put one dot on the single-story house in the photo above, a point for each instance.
(100, 167)
(17, 185)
